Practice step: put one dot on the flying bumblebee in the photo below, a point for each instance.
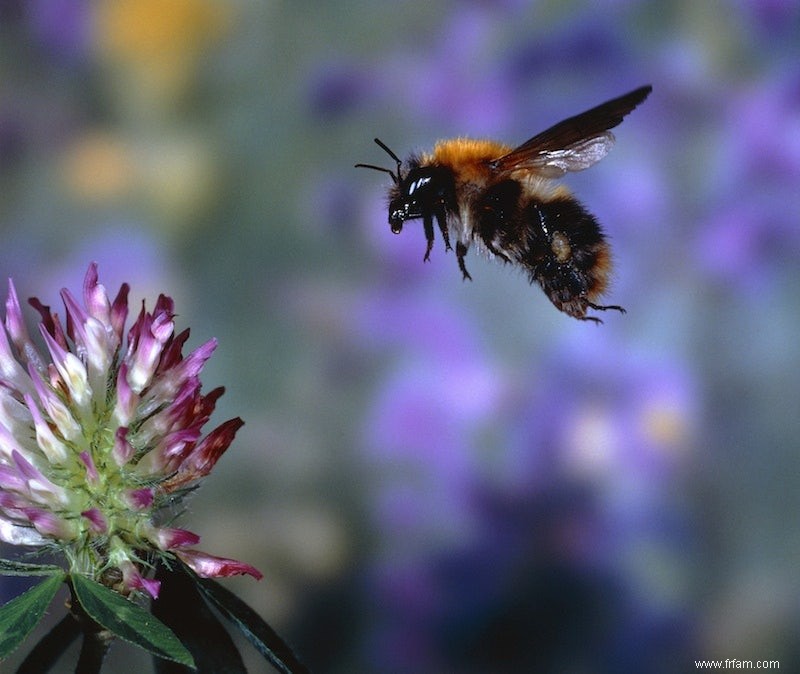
(506, 201)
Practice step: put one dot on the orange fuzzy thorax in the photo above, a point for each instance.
(467, 157)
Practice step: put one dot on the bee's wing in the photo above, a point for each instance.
(574, 144)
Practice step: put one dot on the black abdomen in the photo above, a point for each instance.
(558, 242)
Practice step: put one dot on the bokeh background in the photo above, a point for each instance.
(440, 476)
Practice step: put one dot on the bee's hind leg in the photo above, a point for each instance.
(606, 307)
(600, 307)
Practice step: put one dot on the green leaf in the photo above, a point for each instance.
(19, 616)
(183, 609)
(274, 649)
(128, 621)
(9, 567)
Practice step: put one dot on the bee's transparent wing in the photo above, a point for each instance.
(573, 144)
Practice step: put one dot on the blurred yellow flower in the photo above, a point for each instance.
(665, 424)
(174, 174)
(98, 167)
(160, 42)
(152, 29)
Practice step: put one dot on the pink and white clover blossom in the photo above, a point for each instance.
(101, 435)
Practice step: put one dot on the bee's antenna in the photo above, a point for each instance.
(395, 176)
(379, 168)
(389, 152)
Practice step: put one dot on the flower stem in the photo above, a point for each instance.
(96, 638)
(93, 651)
(45, 654)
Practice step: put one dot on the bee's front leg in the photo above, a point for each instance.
(427, 223)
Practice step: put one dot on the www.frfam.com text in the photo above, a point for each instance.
(733, 663)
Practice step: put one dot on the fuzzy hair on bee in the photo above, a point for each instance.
(506, 202)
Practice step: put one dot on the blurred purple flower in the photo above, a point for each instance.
(752, 222)
(763, 130)
(451, 82)
(745, 242)
(62, 27)
(336, 88)
(600, 413)
(420, 433)
(592, 40)
(582, 488)
(774, 17)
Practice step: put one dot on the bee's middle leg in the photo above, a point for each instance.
(461, 251)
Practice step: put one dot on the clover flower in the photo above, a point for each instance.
(101, 437)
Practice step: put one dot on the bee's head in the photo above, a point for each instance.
(415, 196)
(422, 191)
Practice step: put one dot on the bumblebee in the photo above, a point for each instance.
(507, 203)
